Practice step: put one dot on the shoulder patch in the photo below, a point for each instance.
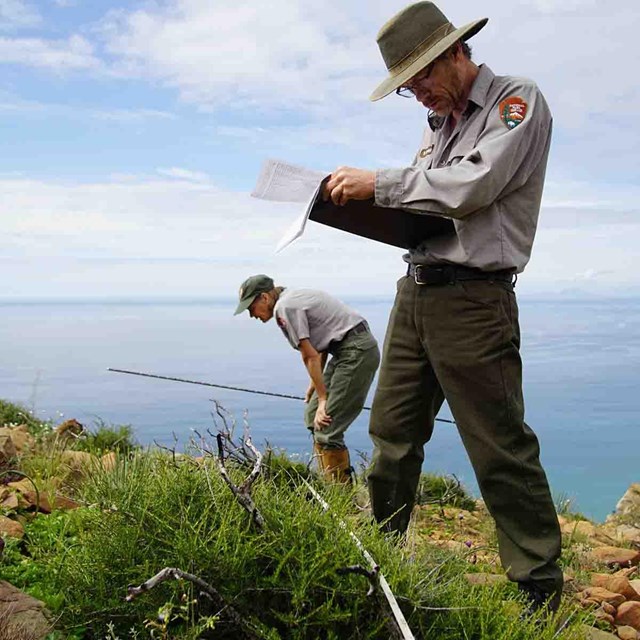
(512, 111)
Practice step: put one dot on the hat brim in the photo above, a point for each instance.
(243, 305)
(392, 82)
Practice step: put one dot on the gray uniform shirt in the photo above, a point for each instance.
(307, 313)
(486, 175)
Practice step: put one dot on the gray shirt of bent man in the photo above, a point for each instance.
(486, 175)
(312, 314)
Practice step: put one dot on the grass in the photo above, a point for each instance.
(155, 510)
(14, 414)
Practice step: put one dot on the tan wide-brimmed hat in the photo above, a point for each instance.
(415, 37)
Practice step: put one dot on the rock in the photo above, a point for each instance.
(10, 502)
(455, 546)
(578, 527)
(10, 528)
(485, 579)
(635, 584)
(31, 499)
(62, 502)
(69, 428)
(109, 461)
(7, 450)
(627, 572)
(628, 533)
(612, 556)
(616, 584)
(78, 463)
(21, 485)
(601, 615)
(629, 504)
(19, 435)
(22, 616)
(629, 615)
(627, 633)
(590, 633)
(599, 595)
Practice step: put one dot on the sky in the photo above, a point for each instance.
(132, 134)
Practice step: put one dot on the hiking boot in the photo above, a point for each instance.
(539, 599)
(335, 464)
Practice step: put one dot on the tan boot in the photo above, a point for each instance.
(336, 465)
(318, 454)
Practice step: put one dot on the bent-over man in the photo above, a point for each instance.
(453, 332)
(318, 325)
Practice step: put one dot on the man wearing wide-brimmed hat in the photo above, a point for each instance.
(453, 333)
(318, 325)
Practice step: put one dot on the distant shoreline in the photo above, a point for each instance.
(218, 300)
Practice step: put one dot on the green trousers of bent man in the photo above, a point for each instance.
(460, 342)
(347, 376)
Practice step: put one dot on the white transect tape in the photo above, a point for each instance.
(407, 634)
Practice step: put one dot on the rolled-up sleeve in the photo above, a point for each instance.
(499, 161)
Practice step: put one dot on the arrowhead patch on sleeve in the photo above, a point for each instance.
(512, 111)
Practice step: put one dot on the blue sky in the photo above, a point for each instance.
(133, 132)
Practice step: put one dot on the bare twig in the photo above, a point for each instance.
(169, 573)
(243, 492)
(398, 627)
(171, 450)
(371, 576)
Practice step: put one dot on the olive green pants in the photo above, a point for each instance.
(460, 342)
(347, 375)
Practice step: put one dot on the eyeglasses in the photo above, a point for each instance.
(408, 91)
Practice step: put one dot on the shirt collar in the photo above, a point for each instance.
(481, 85)
(477, 96)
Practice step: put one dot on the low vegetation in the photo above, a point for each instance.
(149, 509)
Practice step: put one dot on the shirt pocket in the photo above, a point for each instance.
(458, 153)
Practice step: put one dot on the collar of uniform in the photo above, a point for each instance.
(481, 85)
(477, 96)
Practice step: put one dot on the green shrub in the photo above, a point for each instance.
(104, 438)
(155, 510)
(443, 490)
(14, 414)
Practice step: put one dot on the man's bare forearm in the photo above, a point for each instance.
(315, 366)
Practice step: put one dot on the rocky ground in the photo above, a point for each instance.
(600, 559)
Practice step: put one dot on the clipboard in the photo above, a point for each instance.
(395, 227)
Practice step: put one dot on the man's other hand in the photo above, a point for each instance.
(322, 418)
(309, 392)
(347, 183)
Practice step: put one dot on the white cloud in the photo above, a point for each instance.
(278, 54)
(149, 236)
(17, 14)
(184, 174)
(74, 53)
(10, 104)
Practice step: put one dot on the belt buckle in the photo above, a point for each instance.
(416, 274)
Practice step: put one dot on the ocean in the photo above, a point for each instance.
(581, 366)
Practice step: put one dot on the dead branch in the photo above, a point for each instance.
(371, 576)
(243, 492)
(169, 573)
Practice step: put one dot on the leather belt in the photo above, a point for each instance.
(361, 327)
(437, 274)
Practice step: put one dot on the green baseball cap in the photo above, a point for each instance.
(251, 288)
